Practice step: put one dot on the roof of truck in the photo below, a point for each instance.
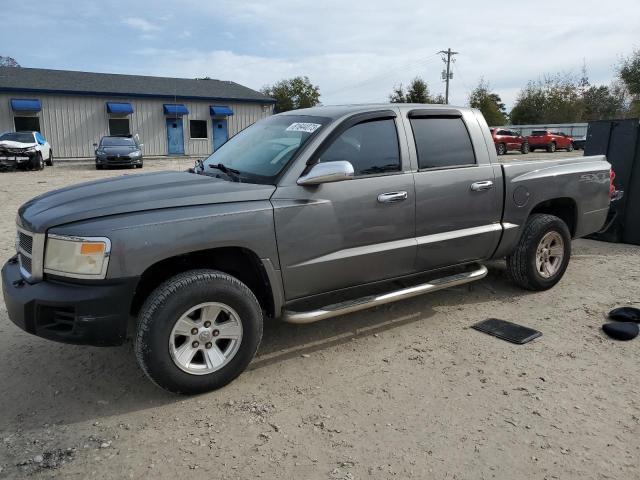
(337, 111)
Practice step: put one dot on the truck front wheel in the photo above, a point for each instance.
(198, 331)
(542, 254)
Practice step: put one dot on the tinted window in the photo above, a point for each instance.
(503, 132)
(198, 128)
(260, 152)
(442, 142)
(117, 141)
(371, 147)
(18, 137)
(538, 133)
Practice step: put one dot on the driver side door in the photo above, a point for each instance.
(337, 235)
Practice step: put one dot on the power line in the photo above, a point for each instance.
(447, 75)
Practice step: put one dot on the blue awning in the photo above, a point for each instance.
(25, 105)
(175, 109)
(220, 111)
(122, 108)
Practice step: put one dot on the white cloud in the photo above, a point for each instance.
(140, 24)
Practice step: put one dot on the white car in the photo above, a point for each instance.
(25, 150)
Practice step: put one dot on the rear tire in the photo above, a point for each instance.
(570, 147)
(501, 149)
(542, 254)
(551, 148)
(524, 149)
(197, 362)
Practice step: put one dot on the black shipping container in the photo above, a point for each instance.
(619, 140)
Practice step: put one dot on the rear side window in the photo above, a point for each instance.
(442, 142)
(538, 133)
(371, 147)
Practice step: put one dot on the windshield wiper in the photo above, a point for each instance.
(231, 172)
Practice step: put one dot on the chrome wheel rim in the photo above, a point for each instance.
(205, 338)
(549, 254)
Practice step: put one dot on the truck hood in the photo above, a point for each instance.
(133, 193)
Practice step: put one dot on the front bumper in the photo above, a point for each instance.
(87, 314)
(115, 161)
(15, 159)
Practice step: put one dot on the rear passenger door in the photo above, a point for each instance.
(458, 208)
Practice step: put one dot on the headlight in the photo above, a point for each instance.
(135, 154)
(77, 257)
(30, 150)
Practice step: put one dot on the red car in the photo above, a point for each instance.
(508, 140)
(550, 141)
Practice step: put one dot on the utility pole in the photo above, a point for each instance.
(447, 74)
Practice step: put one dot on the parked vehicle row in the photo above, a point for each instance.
(509, 140)
(25, 151)
(302, 216)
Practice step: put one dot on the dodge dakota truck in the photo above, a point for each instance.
(303, 216)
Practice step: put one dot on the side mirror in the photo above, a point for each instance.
(95, 144)
(141, 145)
(327, 172)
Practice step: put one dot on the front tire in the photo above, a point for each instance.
(37, 163)
(542, 254)
(198, 331)
(570, 147)
(524, 149)
(501, 149)
(551, 148)
(49, 162)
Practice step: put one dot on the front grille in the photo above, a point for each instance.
(30, 248)
(25, 242)
(25, 263)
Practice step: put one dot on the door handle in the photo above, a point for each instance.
(392, 197)
(480, 186)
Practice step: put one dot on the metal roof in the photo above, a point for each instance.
(34, 80)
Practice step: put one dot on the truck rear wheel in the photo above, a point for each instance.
(542, 254)
(198, 331)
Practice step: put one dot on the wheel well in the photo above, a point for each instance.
(236, 261)
(563, 208)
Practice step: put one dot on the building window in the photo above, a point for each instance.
(119, 126)
(24, 124)
(198, 128)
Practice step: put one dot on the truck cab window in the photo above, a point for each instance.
(371, 147)
(442, 142)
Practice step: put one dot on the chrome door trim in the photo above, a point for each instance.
(392, 197)
(465, 232)
(481, 186)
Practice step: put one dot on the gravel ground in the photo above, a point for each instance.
(405, 390)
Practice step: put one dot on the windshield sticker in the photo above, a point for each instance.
(303, 127)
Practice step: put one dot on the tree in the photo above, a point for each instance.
(629, 74)
(293, 93)
(8, 62)
(555, 99)
(489, 103)
(599, 103)
(417, 92)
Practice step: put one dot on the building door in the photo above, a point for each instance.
(175, 136)
(220, 132)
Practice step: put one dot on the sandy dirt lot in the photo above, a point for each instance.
(402, 391)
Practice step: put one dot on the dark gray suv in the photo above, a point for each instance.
(118, 151)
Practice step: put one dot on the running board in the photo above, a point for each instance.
(479, 272)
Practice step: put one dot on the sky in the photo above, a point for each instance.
(355, 51)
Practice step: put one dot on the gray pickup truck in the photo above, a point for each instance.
(305, 215)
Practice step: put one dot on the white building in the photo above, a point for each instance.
(171, 116)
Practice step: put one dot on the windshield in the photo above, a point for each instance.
(117, 142)
(260, 152)
(18, 137)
